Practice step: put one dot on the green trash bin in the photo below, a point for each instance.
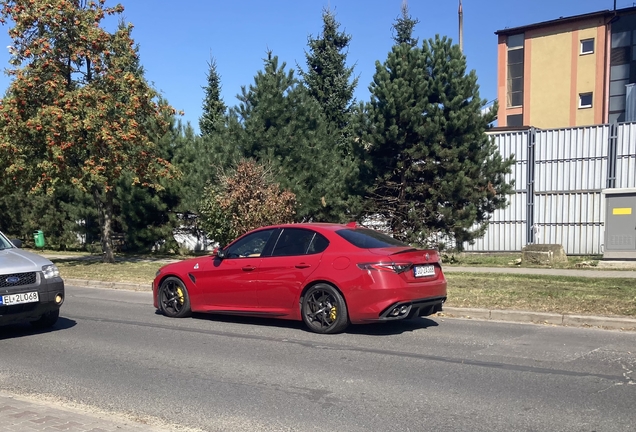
(38, 236)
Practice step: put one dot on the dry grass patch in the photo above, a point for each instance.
(557, 294)
(510, 260)
(141, 272)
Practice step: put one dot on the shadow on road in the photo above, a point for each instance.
(257, 321)
(375, 329)
(392, 327)
(22, 330)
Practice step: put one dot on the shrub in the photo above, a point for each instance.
(245, 198)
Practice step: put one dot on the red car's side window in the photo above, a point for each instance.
(295, 241)
(251, 245)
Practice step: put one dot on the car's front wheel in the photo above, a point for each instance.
(324, 309)
(47, 320)
(173, 298)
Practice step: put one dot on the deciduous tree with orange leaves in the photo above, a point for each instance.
(77, 111)
(244, 198)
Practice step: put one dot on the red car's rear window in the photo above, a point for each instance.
(368, 239)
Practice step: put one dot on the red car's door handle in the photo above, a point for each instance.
(249, 268)
(302, 266)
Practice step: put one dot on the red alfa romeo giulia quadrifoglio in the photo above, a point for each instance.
(328, 275)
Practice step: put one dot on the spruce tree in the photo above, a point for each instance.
(212, 119)
(328, 78)
(435, 170)
(146, 216)
(403, 28)
(330, 82)
(278, 121)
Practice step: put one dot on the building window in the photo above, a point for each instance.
(515, 70)
(585, 100)
(587, 46)
(515, 120)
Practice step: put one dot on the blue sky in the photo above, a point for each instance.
(177, 38)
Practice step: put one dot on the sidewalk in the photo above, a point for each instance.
(21, 413)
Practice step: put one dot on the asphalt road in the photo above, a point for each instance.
(112, 351)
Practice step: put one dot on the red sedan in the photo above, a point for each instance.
(328, 275)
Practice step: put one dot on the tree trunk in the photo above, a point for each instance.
(401, 210)
(104, 204)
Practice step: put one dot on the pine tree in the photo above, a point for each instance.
(435, 169)
(76, 113)
(212, 119)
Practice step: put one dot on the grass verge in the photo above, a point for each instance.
(512, 259)
(538, 293)
(139, 272)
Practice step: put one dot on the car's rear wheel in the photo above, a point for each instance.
(324, 309)
(173, 298)
(47, 320)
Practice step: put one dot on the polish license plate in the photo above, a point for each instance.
(12, 299)
(422, 271)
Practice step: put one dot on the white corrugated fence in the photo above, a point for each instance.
(559, 177)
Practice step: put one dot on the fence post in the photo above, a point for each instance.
(612, 145)
(530, 187)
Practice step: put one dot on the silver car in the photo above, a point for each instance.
(31, 289)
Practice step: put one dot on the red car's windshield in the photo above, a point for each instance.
(368, 239)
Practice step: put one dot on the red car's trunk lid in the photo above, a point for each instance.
(401, 253)
(425, 262)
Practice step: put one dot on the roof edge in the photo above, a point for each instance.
(603, 13)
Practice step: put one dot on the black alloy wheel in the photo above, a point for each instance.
(173, 298)
(324, 309)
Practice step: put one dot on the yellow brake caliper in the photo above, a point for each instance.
(333, 313)
(180, 295)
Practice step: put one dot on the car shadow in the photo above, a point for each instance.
(373, 329)
(390, 328)
(248, 320)
(12, 331)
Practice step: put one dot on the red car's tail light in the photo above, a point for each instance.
(393, 267)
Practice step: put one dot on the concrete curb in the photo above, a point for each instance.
(112, 285)
(616, 323)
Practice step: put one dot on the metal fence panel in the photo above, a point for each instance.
(626, 156)
(506, 230)
(571, 219)
(571, 159)
(571, 171)
(571, 168)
